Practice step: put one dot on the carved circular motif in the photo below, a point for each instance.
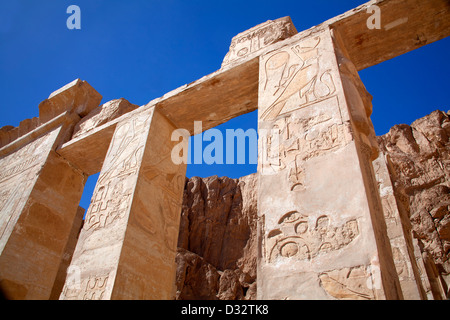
(289, 249)
(301, 227)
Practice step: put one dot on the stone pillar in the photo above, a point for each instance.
(127, 247)
(39, 195)
(396, 213)
(322, 231)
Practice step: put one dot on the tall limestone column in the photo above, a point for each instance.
(127, 246)
(322, 232)
(39, 195)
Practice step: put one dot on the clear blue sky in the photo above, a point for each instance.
(140, 50)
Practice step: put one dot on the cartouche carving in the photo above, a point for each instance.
(296, 237)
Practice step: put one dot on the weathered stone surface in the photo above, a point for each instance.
(396, 214)
(321, 143)
(101, 115)
(420, 157)
(213, 99)
(217, 239)
(78, 97)
(127, 247)
(316, 140)
(247, 44)
(196, 279)
(39, 195)
(405, 25)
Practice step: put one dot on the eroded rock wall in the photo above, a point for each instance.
(216, 256)
(420, 154)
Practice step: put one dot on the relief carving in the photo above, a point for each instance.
(92, 288)
(293, 141)
(95, 288)
(296, 237)
(294, 79)
(113, 192)
(348, 283)
(109, 203)
(23, 159)
(126, 149)
(258, 38)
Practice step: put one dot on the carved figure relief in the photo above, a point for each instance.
(126, 149)
(23, 159)
(18, 175)
(348, 283)
(113, 192)
(293, 79)
(296, 237)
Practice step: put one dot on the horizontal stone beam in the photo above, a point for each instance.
(405, 25)
(88, 152)
(213, 99)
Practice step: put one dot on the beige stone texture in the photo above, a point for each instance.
(316, 142)
(127, 247)
(78, 97)
(405, 25)
(101, 115)
(92, 135)
(40, 195)
(68, 253)
(249, 43)
(399, 231)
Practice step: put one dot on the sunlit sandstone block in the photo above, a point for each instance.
(39, 195)
(127, 247)
(317, 145)
(78, 97)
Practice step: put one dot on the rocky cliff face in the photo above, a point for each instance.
(420, 154)
(216, 257)
(217, 242)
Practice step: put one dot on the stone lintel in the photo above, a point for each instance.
(405, 25)
(77, 97)
(87, 151)
(64, 118)
(213, 99)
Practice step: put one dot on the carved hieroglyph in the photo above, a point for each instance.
(39, 195)
(354, 283)
(294, 78)
(127, 246)
(307, 156)
(299, 238)
(253, 40)
(18, 175)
